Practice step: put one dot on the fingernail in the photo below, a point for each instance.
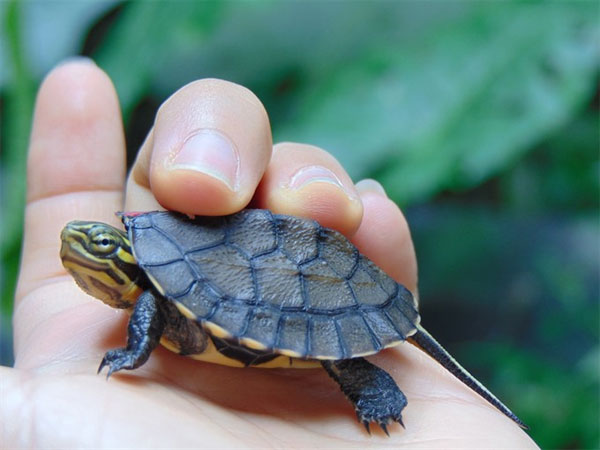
(210, 152)
(370, 185)
(317, 174)
(76, 59)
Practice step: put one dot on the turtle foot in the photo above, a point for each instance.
(373, 392)
(144, 330)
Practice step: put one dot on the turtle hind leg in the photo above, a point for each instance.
(145, 328)
(373, 392)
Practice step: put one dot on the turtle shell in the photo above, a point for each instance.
(273, 282)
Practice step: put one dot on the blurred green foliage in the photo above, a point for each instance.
(480, 119)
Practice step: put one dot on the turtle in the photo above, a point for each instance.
(255, 289)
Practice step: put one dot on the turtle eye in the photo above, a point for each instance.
(103, 243)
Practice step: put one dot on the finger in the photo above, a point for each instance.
(206, 153)
(306, 181)
(384, 236)
(76, 164)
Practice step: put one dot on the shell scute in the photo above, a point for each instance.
(176, 277)
(338, 252)
(278, 281)
(226, 270)
(324, 339)
(292, 334)
(145, 249)
(325, 289)
(231, 316)
(262, 325)
(403, 325)
(299, 238)
(356, 336)
(366, 290)
(380, 278)
(254, 234)
(381, 327)
(199, 300)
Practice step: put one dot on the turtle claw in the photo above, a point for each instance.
(384, 428)
(116, 360)
(384, 417)
(383, 421)
(399, 420)
(367, 425)
(105, 363)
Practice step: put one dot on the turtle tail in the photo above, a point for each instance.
(430, 346)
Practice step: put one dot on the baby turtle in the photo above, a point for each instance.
(254, 289)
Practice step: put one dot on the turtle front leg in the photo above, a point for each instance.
(373, 392)
(145, 328)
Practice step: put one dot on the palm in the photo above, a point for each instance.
(192, 402)
(173, 401)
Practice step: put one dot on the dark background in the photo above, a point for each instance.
(481, 120)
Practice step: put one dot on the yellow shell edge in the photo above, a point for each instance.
(155, 283)
(290, 353)
(212, 355)
(185, 311)
(217, 330)
(252, 343)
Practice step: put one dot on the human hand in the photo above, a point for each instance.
(54, 398)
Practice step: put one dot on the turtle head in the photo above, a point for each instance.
(99, 258)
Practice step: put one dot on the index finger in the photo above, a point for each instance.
(76, 164)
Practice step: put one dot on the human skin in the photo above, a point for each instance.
(76, 170)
